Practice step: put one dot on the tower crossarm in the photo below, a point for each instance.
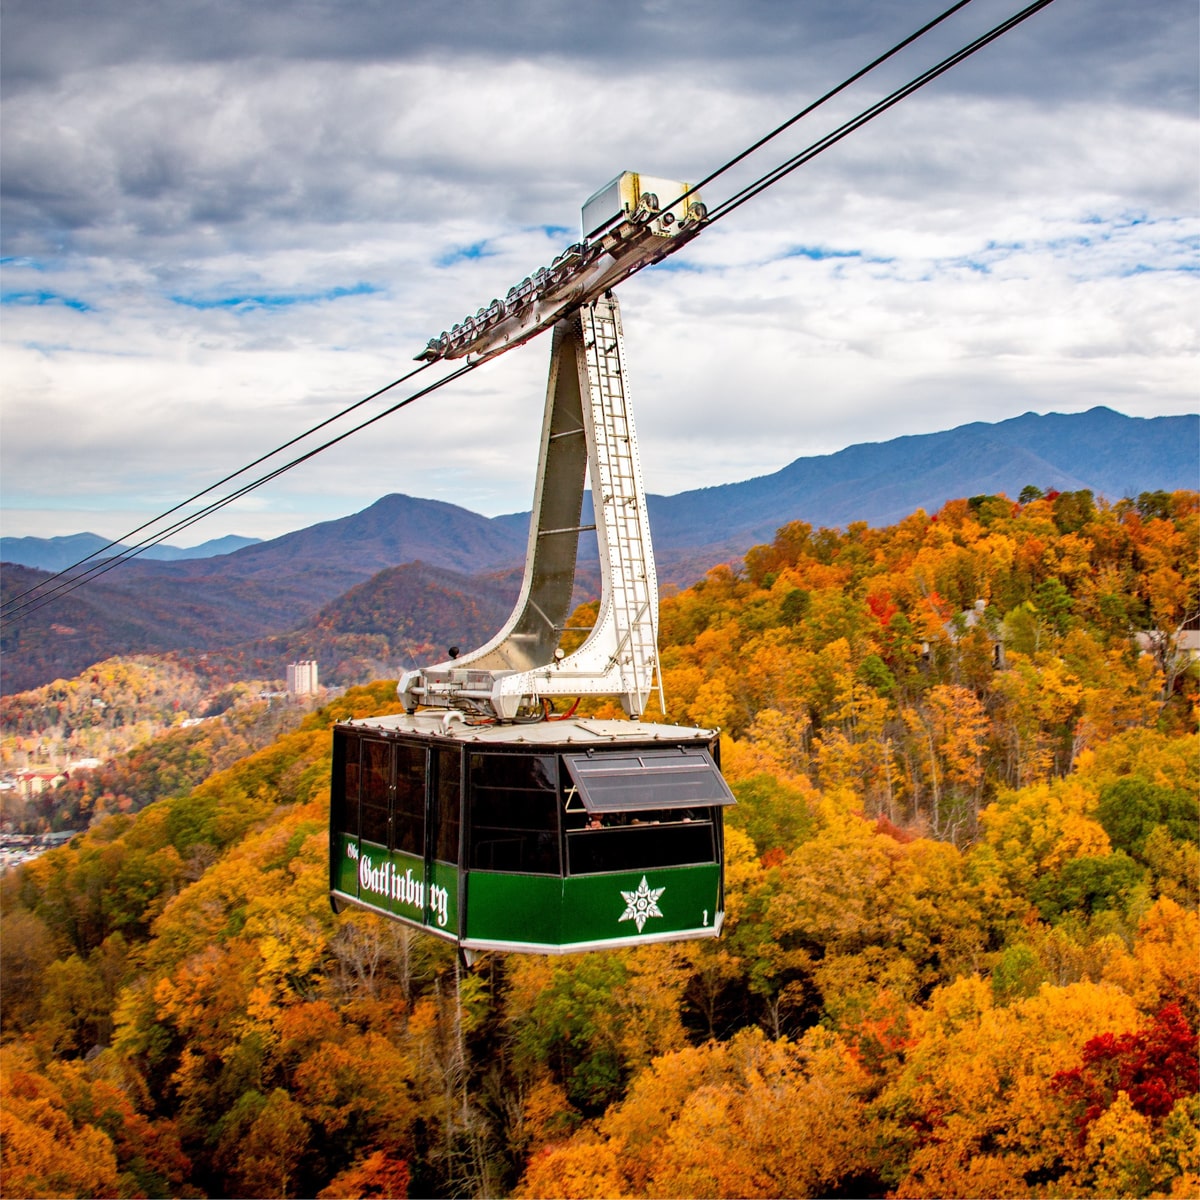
(626, 227)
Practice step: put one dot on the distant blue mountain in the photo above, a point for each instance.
(53, 554)
(882, 482)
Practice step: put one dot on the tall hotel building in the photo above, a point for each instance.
(302, 678)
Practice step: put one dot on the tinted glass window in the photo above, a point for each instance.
(514, 814)
(374, 785)
(344, 797)
(408, 816)
(449, 791)
(638, 847)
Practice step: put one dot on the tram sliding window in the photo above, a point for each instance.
(449, 793)
(408, 815)
(514, 814)
(643, 809)
(375, 784)
(639, 841)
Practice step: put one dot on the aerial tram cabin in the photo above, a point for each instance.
(478, 815)
(559, 836)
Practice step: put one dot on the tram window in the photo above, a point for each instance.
(350, 791)
(408, 817)
(345, 790)
(521, 771)
(640, 845)
(374, 781)
(449, 795)
(514, 814)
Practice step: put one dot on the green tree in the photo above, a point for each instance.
(1131, 808)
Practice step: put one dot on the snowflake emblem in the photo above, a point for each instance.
(642, 904)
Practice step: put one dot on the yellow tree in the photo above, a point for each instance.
(1040, 704)
(43, 1152)
(1039, 828)
(585, 1168)
(1163, 966)
(952, 727)
(269, 1155)
(749, 1117)
(855, 911)
(593, 1020)
(1125, 1154)
(791, 1126)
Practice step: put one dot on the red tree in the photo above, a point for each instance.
(1154, 1067)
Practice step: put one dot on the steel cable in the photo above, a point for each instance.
(148, 542)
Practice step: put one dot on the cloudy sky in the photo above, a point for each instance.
(225, 220)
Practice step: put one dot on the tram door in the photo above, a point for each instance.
(409, 830)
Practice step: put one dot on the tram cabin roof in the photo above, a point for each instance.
(578, 732)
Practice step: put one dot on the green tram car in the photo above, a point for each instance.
(559, 836)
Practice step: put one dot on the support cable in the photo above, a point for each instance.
(786, 168)
(811, 108)
(106, 565)
(147, 543)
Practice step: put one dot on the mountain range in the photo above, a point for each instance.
(305, 594)
(882, 482)
(56, 553)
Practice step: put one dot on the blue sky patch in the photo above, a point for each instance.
(35, 299)
(1129, 219)
(680, 264)
(1173, 268)
(252, 302)
(820, 253)
(465, 253)
(16, 260)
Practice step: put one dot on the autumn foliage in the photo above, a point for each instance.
(1154, 1067)
(959, 959)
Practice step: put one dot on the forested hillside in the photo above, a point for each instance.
(113, 706)
(959, 956)
(1103, 451)
(158, 727)
(210, 604)
(398, 618)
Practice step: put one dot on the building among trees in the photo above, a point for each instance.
(302, 678)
